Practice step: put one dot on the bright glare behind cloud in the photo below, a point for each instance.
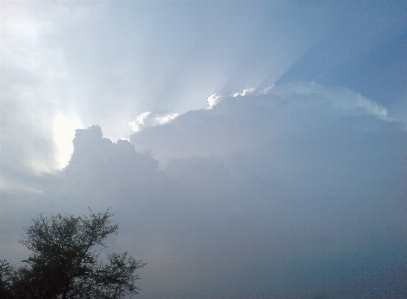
(63, 132)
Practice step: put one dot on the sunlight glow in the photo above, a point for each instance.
(63, 132)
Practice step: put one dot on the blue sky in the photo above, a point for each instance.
(263, 150)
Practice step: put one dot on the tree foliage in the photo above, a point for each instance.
(65, 264)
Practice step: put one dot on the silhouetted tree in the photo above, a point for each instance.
(64, 263)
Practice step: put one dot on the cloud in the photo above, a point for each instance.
(103, 171)
(283, 193)
(244, 92)
(296, 181)
(147, 119)
(240, 122)
(213, 99)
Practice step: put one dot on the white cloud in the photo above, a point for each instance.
(148, 119)
(165, 118)
(213, 99)
(244, 92)
(139, 120)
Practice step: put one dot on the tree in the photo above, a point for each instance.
(65, 264)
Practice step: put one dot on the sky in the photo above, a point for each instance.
(247, 149)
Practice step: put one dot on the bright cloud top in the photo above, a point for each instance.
(148, 119)
(213, 99)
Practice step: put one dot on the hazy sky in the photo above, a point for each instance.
(264, 143)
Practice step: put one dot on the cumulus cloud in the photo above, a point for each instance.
(283, 194)
(104, 172)
(240, 122)
(301, 180)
